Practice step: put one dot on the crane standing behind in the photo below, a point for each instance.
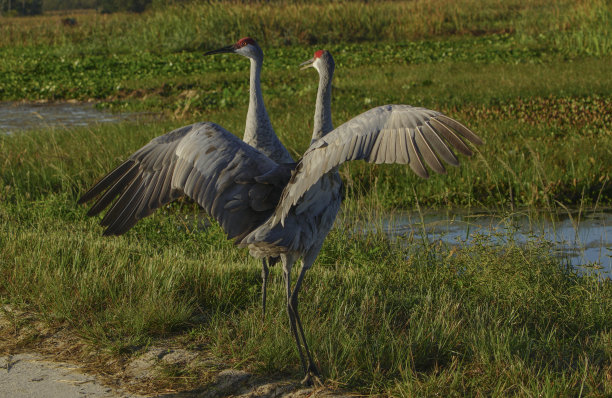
(146, 171)
(258, 132)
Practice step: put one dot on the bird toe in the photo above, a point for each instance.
(311, 378)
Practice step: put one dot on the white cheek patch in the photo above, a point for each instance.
(247, 50)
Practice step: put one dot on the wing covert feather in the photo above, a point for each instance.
(203, 161)
(385, 134)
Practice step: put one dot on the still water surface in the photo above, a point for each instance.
(16, 117)
(584, 239)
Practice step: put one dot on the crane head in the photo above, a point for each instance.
(246, 47)
(321, 61)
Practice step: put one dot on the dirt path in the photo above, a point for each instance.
(38, 361)
(31, 376)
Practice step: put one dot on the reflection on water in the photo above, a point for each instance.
(585, 239)
(19, 117)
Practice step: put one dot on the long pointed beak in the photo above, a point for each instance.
(307, 64)
(228, 49)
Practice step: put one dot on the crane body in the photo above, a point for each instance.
(279, 210)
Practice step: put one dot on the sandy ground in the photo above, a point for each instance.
(31, 376)
(35, 362)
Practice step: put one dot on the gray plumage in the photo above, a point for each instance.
(206, 163)
(235, 183)
(311, 201)
(258, 131)
(275, 209)
(386, 134)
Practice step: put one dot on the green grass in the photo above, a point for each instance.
(159, 54)
(43, 73)
(574, 26)
(541, 105)
(546, 128)
(489, 319)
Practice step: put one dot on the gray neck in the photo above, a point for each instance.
(323, 114)
(258, 131)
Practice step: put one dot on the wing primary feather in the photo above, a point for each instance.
(196, 188)
(353, 146)
(361, 150)
(123, 224)
(181, 173)
(129, 216)
(366, 151)
(190, 182)
(208, 193)
(343, 157)
(439, 145)
(428, 154)
(166, 186)
(335, 155)
(389, 145)
(451, 137)
(106, 181)
(415, 160)
(115, 190)
(162, 162)
(158, 181)
(117, 208)
(152, 202)
(375, 154)
(148, 154)
(461, 129)
(144, 206)
(124, 227)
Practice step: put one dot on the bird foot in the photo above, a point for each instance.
(312, 377)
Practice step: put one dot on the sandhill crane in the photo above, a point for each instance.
(275, 209)
(258, 133)
(311, 200)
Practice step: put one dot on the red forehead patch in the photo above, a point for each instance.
(319, 54)
(244, 41)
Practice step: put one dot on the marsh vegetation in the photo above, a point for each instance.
(489, 318)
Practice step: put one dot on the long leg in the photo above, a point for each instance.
(287, 265)
(264, 275)
(312, 370)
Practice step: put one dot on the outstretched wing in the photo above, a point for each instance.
(236, 184)
(386, 134)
